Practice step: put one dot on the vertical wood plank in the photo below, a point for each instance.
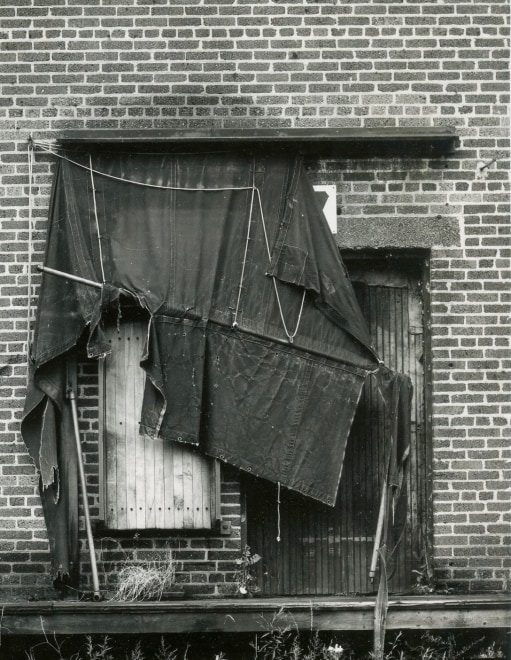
(159, 481)
(130, 379)
(138, 459)
(179, 500)
(149, 481)
(187, 488)
(196, 492)
(120, 416)
(168, 486)
(205, 505)
(110, 440)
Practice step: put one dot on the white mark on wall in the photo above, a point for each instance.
(328, 201)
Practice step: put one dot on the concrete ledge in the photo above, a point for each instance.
(412, 232)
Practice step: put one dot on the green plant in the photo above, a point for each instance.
(97, 650)
(434, 646)
(244, 577)
(164, 652)
(277, 637)
(424, 575)
(51, 645)
(281, 640)
(491, 651)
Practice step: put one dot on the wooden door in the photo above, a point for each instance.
(327, 550)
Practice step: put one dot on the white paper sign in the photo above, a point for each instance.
(329, 201)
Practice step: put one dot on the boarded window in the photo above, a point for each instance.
(327, 550)
(148, 483)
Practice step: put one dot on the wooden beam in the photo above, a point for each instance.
(240, 616)
(414, 142)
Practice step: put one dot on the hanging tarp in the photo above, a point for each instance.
(396, 391)
(257, 350)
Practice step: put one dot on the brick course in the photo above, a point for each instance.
(293, 63)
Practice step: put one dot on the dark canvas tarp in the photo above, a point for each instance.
(257, 350)
(396, 392)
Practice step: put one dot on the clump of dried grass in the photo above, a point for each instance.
(145, 580)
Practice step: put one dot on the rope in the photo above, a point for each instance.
(136, 183)
(97, 220)
(235, 321)
(290, 335)
(255, 191)
(30, 245)
(278, 512)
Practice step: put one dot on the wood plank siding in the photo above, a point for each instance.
(148, 483)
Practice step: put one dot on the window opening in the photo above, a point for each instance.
(147, 482)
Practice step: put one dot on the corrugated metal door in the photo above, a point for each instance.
(327, 550)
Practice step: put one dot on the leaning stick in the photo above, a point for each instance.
(69, 276)
(92, 553)
(379, 530)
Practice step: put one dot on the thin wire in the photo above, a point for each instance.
(235, 321)
(138, 183)
(278, 511)
(290, 335)
(30, 245)
(97, 220)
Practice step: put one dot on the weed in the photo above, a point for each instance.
(244, 577)
(281, 640)
(432, 646)
(424, 575)
(97, 650)
(164, 652)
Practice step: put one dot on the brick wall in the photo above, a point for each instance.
(289, 63)
(205, 565)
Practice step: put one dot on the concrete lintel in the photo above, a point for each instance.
(388, 232)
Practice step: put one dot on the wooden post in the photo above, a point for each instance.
(71, 376)
(379, 530)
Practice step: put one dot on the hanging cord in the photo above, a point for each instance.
(278, 511)
(96, 219)
(290, 335)
(240, 287)
(30, 246)
(45, 147)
